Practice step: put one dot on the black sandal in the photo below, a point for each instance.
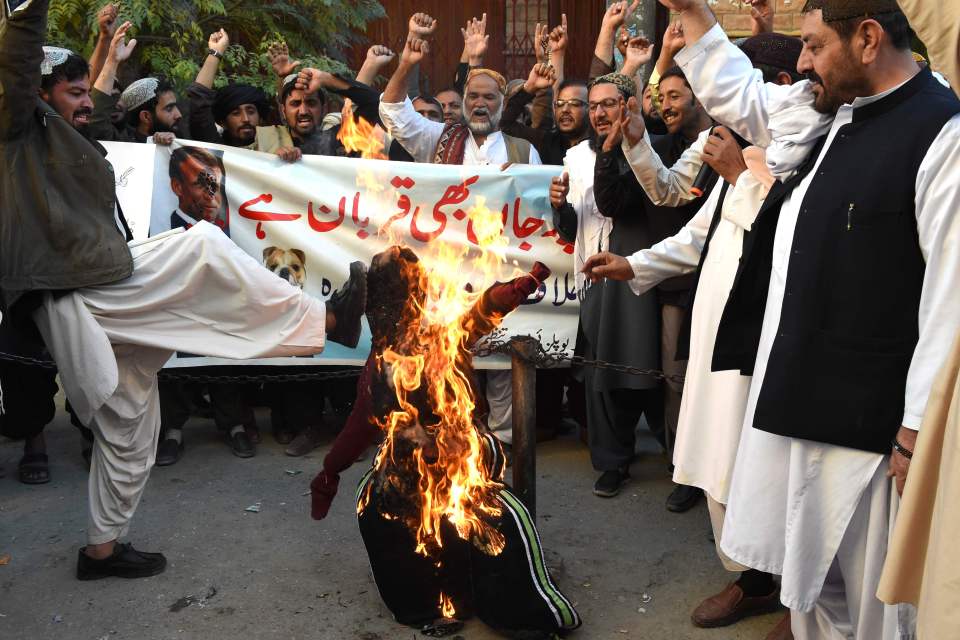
(34, 468)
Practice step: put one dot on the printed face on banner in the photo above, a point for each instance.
(197, 183)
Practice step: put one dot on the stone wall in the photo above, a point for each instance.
(735, 16)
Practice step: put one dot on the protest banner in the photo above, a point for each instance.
(310, 219)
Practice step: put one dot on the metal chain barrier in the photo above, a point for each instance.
(553, 354)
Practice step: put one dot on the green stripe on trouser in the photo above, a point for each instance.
(364, 481)
(567, 613)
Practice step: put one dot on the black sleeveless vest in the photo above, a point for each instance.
(849, 324)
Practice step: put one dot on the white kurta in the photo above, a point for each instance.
(192, 291)
(711, 412)
(419, 136)
(791, 500)
(593, 228)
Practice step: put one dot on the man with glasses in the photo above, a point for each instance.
(569, 115)
(618, 326)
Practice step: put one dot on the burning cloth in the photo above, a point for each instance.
(445, 537)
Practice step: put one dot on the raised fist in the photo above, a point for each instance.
(219, 41)
(107, 20)
(415, 50)
(559, 189)
(542, 77)
(380, 55)
(421, 25)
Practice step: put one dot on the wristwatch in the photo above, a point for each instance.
(215, 53)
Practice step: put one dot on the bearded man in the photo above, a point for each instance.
(842, 308)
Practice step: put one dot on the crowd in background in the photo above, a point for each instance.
(664, 173)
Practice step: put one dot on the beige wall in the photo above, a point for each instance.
(735, 18)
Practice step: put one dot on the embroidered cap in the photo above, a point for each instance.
(499, 79)
(53, 57)
(139, 92)
(836, 10)
(626, 84)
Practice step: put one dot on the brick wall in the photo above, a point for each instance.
(735, 18)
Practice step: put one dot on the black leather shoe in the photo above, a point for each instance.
(609, 483)
(126, 562)
(683, 498)
(241, 445)
(169, 452)
(347, 304)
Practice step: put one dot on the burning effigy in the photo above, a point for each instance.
(446, 538)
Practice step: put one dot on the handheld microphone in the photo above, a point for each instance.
(702, 181)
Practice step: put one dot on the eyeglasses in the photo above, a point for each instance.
(573, 104)
(606, 105)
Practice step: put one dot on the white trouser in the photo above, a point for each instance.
(718, 511)
(500, 400)
(848, 607)
(195, 292)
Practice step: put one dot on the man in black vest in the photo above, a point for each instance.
(842, 308)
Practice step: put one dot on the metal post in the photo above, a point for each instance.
(525, 421)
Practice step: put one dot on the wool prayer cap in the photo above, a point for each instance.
(499, 79)
(774, 50)
(53, 57)
(139, 92)
(626, 84)
(836, 10)
(234, 95)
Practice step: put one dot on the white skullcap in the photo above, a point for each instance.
(139, 92)
(290, 78)
(53, 57)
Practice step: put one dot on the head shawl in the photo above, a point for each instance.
(139, 92)
(774, 50)
(836, 10)
(53, 57)
(499, 79)
(234, 95)
(626, 84)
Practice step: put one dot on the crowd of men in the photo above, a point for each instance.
(770, 222)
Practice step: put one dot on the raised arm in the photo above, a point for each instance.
(21, 53)
(559, 40)
(217, 45)
(107, 27)
(665, 186)
(418, 135)
(378, 57)
(613, 19)
(101, 128)
(723, 78)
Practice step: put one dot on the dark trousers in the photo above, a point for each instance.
(228, 400)
(613, 417)
(512, 592)
(26, 404)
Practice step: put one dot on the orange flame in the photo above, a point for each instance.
(358, 135)
(432, 358)
(446, 607)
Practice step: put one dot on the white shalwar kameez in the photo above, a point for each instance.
(820, 514)
(192, 291)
